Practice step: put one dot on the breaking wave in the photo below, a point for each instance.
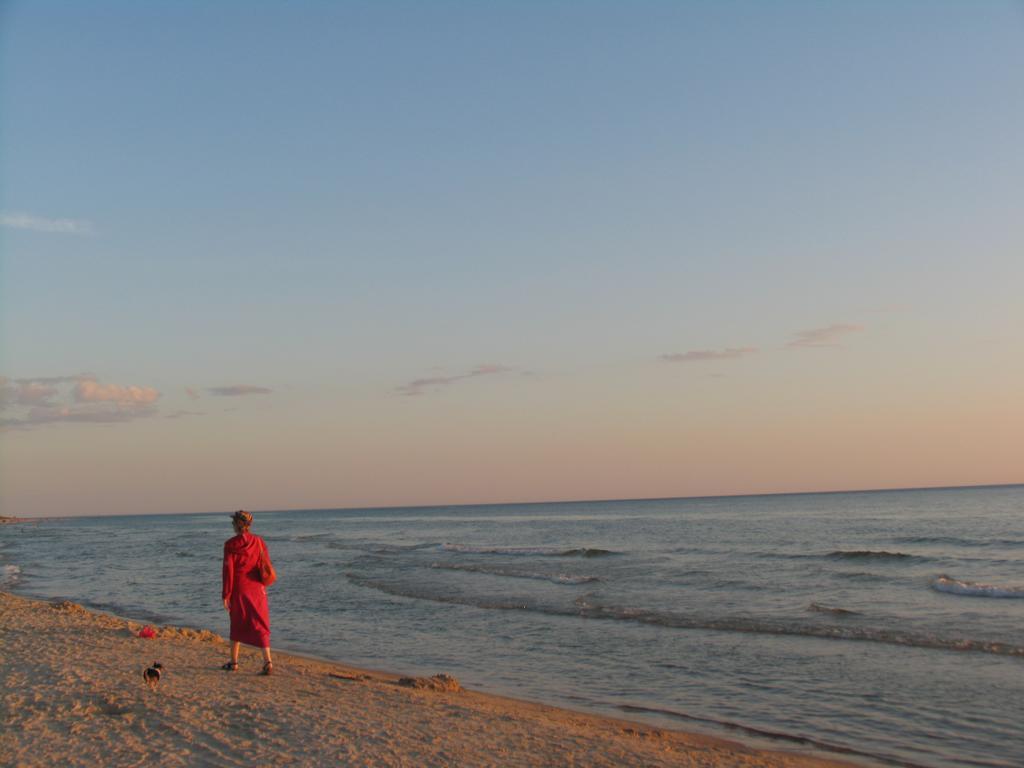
(10, 575)
(584, 609)
(555, 578)
(972, 589)
(861, 576)
(528, 551)
(869, 554)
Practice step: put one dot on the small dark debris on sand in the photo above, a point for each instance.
(68, 607)
(440, 682)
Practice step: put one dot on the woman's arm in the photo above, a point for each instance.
(227, 578)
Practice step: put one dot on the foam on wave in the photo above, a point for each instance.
(973, 589)
(10, 575)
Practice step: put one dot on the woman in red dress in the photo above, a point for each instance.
(245, 597)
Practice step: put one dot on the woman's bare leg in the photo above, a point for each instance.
(266, 655)
(234, 652)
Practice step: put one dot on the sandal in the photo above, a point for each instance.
(231, 666)
(268, 668)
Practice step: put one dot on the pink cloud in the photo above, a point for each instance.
(82, 399)
(419, 386)
(823, 337)
(91, 391)
(703, 355)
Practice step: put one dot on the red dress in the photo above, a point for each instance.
(245, 593)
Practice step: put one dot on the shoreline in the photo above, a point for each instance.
(73, 694)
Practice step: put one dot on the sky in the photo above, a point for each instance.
(301, 255)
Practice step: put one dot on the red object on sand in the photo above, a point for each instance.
(147, 631)
(245, 593)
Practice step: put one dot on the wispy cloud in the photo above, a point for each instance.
(238, 390)
(29, 393)
(59, 379)
(419, 386)
(83, 399)
(18, 220)
(86, 414)
(703, 355)
(828, 336)
(34, 392)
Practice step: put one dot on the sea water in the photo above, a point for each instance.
(886, 626)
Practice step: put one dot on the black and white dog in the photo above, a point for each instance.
(152, 675)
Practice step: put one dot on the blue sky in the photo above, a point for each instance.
(525, 207)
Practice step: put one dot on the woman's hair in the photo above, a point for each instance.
(242, 519)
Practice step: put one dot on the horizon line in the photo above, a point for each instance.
(895, 489)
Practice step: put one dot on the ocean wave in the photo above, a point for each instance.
(10, 575)
(302, 537)
(954, 540)
(972, 589)
(818, 608)
(344, 546)
(861, 576)
(528, 551)
(555, 578)
(299, 538)
(419, 593)
(838, 554)
(870, 554)
(395, 549)
(583, 608)
(959, 542)
(376, 548)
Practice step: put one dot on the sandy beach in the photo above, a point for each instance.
(74, 694)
